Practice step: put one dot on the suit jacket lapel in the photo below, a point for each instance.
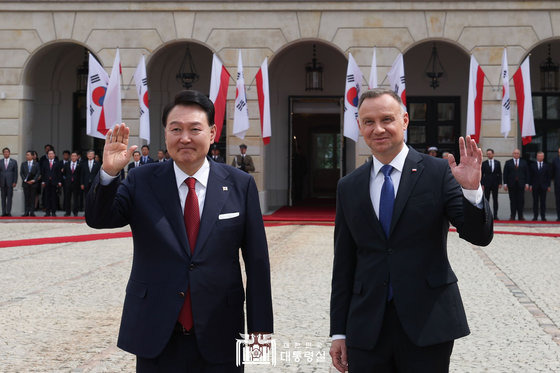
(411, 172)
(216, 196)
(365, 209)
(165, 188)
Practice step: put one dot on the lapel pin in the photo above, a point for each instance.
(224, 188)
(414, 170)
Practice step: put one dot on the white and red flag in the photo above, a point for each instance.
(373, 72)
(219, 82)
(240, 113)
(505, 126)
(264, 101)
(96, 90)
(474, 103)
(396, 79)
(141, 81)
(112, 102)
(351, 97)
(522, 83)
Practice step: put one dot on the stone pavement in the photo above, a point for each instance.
(60, 304)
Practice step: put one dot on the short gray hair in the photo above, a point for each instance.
(377, 92)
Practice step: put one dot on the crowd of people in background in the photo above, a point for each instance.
(51, 183)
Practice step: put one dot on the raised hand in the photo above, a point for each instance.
(468, 172)
(116, 153)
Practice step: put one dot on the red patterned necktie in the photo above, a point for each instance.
(192, 223)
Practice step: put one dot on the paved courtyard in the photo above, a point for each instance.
(60, 304)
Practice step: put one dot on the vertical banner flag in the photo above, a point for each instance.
(96, 90)
(141, 81)
(264, 101)
(351, 97)
(241, 113)
(373, 72)
(397, 82)
(522, 83)
(474, 104)
(219, 82)
(506, 115)
(112, 102)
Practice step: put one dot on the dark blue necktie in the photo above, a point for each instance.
(386, 203)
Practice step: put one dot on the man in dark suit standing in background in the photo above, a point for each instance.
(145, 159)
(90, 168)
(72, 182)
(135, 161)
(556, 178)
(30, 175)
(51, 178)
(516, 182)
(491, 180)
(539, 184)
(8, 181)
(395, 304)
(184, 301)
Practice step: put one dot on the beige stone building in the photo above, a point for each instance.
(43, 46)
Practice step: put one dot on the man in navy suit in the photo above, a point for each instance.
(539, 184)
(491, 179)
(183, 309)
(145, 159)
(30, 175)
(556, 178)
(90, 168)
(51, 178)
(395, 304)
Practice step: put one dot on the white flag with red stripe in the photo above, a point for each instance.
(397, 83)
(219, 82)
(351, 97)
(373, 72)
(474, 103)
(506, 114)
(141, 81)
(522, 83)
(96, 90)
(112, 102)
(241, 113)
(264, 101)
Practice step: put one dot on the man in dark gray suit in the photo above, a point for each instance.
(8, 181)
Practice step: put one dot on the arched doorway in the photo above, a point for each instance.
(437, 115)
(306, 155)
(546, 100)
(163, 67)
(55, 98)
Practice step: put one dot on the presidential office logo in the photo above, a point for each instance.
(255, 350)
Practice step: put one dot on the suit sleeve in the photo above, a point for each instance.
(473, 224)
(15, 172)
(109, 206)
(344, 266)
(257, 266)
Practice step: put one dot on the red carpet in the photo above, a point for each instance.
(308, 211)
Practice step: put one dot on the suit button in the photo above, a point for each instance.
(181, 294)
(191, 267)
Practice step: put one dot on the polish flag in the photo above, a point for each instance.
(474, 104)
(373, 72)
(240, 114)
(351, 97)
(96, 90)
(506, 105)
(112, 102)
(522, 83)
(218, 93)
(141, 81)
(264, 101)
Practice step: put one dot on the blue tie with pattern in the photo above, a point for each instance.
(386, 203)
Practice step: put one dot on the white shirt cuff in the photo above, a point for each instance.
(105, 178)
(474, 196)
(338, 336)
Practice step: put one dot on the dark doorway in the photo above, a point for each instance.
(316, 155)
(434, 121)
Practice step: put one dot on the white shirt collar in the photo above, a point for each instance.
(201, 175)
(397, 162)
